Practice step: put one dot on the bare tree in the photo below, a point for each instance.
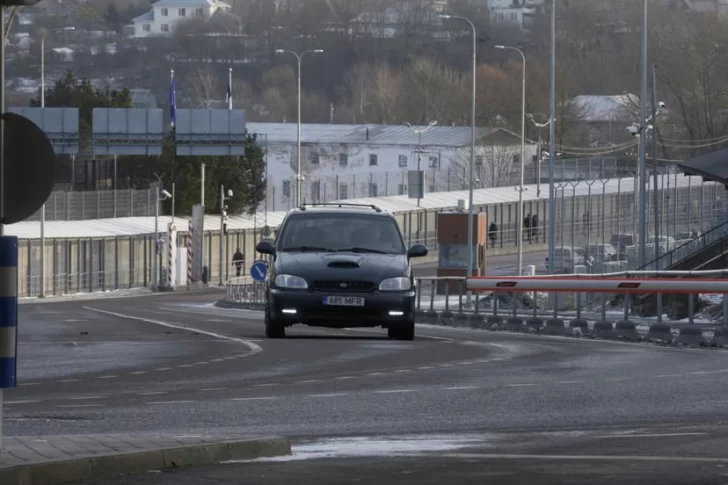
(493, 166)
(205, 87)
(425, 77)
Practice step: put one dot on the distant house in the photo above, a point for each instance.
(161, 19)
(514, 13)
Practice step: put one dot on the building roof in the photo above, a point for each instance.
(137, 226)
(190, 3)
(452, 136)
(711, 166)
(145, 17)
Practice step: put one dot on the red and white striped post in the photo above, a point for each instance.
(171, 236)
(190, 255)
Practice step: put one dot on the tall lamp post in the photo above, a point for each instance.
(519, 235)
(419, 132)
(299, 176)
(159, 197)
(552, 146)
(643, 148)
(42, 105)
(471, 251)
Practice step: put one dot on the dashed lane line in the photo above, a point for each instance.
(172, 402)
(266, 398)
(85, 398)
(656, 435)
(151, 393)
(107, 377)
(73, 406)
(395, 391)
(30, 401)
(331, 394)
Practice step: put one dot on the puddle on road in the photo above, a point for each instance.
(375, 446)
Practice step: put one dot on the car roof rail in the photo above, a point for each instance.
(304, 205)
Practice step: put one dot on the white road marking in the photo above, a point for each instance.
(138, 373)
(83, 398)
(497, 456)
(341, 378)
(401, 371)
(106, 377)
(519, 385)
(457, 388)
(394, 391)
(82, 406)
(309, 381)
(333, 394)
(185, 366)
(25, 384)
(267, 398)
(163, 369)
(669, 375)
(70, 380)
(21, 402)
(200, 363)
(151, 393)
(266, 385)
(171, 402)
(254, 348)
(663, 435)
(217, 360)
(569, 382)
(213, 389)
(425, 367)
(376, 374)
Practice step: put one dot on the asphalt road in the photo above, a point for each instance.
(465, 400)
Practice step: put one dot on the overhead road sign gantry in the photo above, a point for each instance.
(210, 132)
(127, 131)
(60, 125)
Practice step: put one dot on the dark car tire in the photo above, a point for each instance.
(405, 331)
(272, 328)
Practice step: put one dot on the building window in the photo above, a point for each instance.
(479, 161)
(165, 12)
(373, 160)
(164, 28)
(343, 159)
(147, 27)
(514, 16)
(401, 189)
(199, 12)
(286, 188)
(316, 190)
(403, 160)
(182, 12)
(434, 162)
(373, 190)
(343, 191)
(315, 158)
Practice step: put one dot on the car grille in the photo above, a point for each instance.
(343, 285)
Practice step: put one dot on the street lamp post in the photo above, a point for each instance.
(552, 146)
(471, 251)
(158, 197)
(42, 208)
(519, 236)
(643, 148)
(419, 132)
(299, 176)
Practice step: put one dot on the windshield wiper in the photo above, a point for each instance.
(308, 248)
(358, 249)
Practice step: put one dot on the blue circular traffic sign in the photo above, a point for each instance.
(259, 270)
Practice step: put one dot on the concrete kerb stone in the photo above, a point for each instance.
(534, 324)
(579, 326)
(460, 319)
(692, 336)
(445, 317)
(627, 330)
(431, 317)
(243, 306)
(660, 332)
(720, 337)
(476, 320)
(514, 324)
(495, 321)
(100, 467)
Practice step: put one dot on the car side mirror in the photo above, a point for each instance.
(265, 247)
(417, 251)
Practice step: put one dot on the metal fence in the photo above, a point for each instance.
(64, 205)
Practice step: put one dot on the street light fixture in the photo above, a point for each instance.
(299, 176)
(42, 105)
(419, 132)
(471, 251)
(159, 197)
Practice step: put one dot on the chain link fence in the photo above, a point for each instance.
(69, 205)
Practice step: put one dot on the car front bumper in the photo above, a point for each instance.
(306, 307)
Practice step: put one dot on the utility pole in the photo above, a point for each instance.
(419, 152)
(223, 230)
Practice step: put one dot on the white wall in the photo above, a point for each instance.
(389, 177)
(165, 19)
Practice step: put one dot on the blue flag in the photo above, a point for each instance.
(172, 102)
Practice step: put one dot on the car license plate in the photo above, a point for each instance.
(344, 300)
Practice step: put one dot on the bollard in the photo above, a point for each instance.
(660, 332)
(579, 324)
(476, 320)
(8, 316)
(534, 324)
(720, 337)
(460, 319)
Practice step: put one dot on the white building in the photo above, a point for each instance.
(349, 161)
(514, 13)
(164, 14)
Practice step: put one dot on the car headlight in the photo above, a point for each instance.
(395, 284)
(290, 281)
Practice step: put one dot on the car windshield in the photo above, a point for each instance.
(359, 233)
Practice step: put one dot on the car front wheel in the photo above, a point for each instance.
(272, 328)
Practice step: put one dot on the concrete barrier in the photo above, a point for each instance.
(534, 324)
(603, 329)
(691, 336)
(445, 317)
(720, 337)
(432, 317)
(627, 330)
(579, 325)
(476, 320)
(460, 319)
(555, 326)
(660, 332)
(495, 320)
(515, 324)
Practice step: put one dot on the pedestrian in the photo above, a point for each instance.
(238, 260)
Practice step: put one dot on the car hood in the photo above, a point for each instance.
(342, 265)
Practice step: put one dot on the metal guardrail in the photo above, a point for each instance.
(245, 291)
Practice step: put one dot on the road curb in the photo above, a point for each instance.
(100, 467)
